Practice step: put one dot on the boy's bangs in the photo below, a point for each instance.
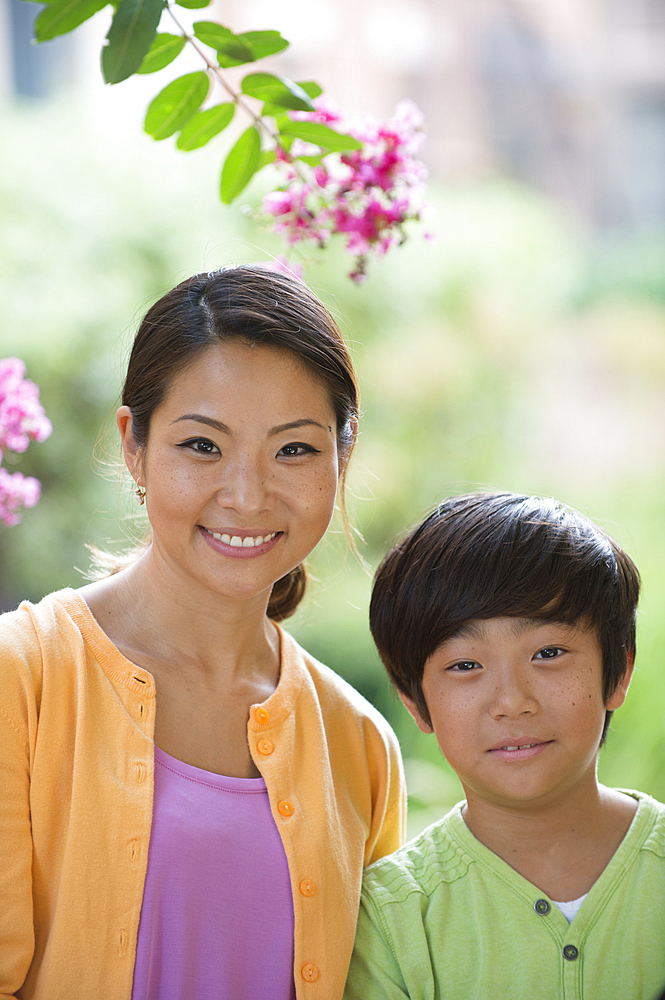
(550, 592)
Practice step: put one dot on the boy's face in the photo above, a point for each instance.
(518, 710)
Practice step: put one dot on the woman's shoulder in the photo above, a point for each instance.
(27, 632)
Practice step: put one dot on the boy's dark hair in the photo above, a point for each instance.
(496, 555)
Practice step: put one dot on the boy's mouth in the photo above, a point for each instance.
(524, 750)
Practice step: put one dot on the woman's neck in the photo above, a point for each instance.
(153, 617)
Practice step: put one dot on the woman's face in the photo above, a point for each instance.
(240, 469)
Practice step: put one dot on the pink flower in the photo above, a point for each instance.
(22, 417)
(22, 420)
(16, 490)
(368, 194)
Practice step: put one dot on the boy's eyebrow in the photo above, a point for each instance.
(469, 630)
(476, 629)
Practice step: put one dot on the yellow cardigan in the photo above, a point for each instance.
(76, 781)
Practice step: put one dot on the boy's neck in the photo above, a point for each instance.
(563, 849)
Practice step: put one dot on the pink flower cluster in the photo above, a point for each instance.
(368, 194)
(22, 420)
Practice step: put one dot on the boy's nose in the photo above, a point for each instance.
(512, 697)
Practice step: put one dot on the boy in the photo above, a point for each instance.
(507, 624)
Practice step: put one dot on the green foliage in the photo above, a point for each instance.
(163, 51)
(264, 43)
(231, 49)
(320, 135)
(241, 164)
(204, 125)
(175, 104)
(62, 16)
(277, 91)
(236, 49)
(130, 38)
(135, 46)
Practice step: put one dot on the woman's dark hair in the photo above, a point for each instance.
(495, 555)
(257, 306)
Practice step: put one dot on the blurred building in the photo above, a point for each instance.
(565, 95)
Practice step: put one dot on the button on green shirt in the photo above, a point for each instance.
(444, 918)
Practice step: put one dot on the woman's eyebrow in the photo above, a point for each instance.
(304, 422)
(218, 425)
(200, 419)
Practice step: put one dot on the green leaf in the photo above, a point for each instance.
(268, 156)
(163, 51)
(311, 89)
(204, 126)
(176, 104)
(235, 50)
(264, 43)
(320, 135)
(241, 164)
(231, 50)
(276, 90)
(130, 37)
(275, 111)
(61, 16)
(193, 4)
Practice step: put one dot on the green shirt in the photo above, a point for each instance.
(444, 918)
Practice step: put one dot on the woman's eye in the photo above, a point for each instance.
(549, 652)
(200, 445)
(464, 666)
(297, 448)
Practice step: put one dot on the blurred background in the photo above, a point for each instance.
(524, 351)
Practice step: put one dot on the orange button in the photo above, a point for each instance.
(285, 808)
(307, 887)
(261, 716)
(265, 747)
(309, 972)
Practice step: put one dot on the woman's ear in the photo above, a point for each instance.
(414, 712)
(130, 449)
(343, 457)
(617, 699)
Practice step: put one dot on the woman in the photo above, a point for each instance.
(188, 799)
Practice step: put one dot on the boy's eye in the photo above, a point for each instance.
(296, 448)
(463, 666)
(549, 652)
(201, 445)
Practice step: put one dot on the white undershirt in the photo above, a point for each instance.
(570, 909)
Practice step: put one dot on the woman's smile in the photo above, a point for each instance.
(239, 544)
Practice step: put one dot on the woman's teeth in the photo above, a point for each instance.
(243, 543)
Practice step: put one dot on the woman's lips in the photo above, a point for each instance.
(243, 545)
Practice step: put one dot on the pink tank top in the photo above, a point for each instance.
(217, 914)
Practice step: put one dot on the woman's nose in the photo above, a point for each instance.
(244, 486)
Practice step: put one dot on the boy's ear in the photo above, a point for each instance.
(412, 709)
(619, 696)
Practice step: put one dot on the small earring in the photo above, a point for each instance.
(140, 494)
